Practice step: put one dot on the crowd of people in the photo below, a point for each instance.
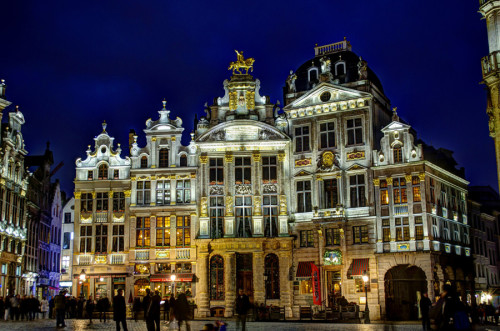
(15, 307)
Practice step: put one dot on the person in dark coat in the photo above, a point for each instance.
(242, 307)
(136, 308)
(60, 305)
(425, 305)
(90, 307)
(172, 308)
(103, 307)
(146, 305)
(181, 310)
(154, 311)
(120, 311)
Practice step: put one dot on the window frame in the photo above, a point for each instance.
(143, 227)
(163, 231)
(358, 235)
(302, 138)
(354, 131)
(183, 231)
(304, 195)
(357, 191)
(163, 155)
(306, 238)
(328, 134)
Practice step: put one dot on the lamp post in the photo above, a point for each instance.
(82, 280)
(367, 310)
(172, 278)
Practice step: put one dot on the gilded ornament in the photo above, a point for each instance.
(153, 139)
(110, 194)
(94, 194)
(241, 63)
(408, 178)
(233, 100)
(204, 207)
(203, 159)
(228, 157)
(256, 157)
(257, 203)
(127, 193)
(376, 182)
(283, 207)
(78, 195)
(133, 178)
(281, 157)
(174, 138)
(229, 205)
(250, 99)
(421, 176)
(389, 180)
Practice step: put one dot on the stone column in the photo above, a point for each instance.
(229, 282)
(259, 289)
(285, 284)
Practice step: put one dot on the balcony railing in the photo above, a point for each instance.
(85, 260)
(101, 217)
(490, 63)
(331, 48)
(183, 253)
(401, 209)
(142, 255)
(117, 258)
(101, 258)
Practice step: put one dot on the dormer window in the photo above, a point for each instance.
(90, 175)
(183, 161)
(398, 154)
(103, 172)
(340, 68)
(163, 158)
(144, 162)
(312, 74)
(116, 174)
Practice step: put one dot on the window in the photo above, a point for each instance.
(386, 230)
(331, 193)
(101, 239)
(302, 139)
(163, 158)
(243, 170)
(163, 231)
(216, 170)
(163, 192)
(183, 191)
(340, 68)
(67, 217)
(397, 154)
(103, 172)
(432, 195)
(305, 286)
(332, 236)
(360, 234)
(415, 182)
(399, 190)
(466, 236)
(243, 211)
(354, 131)
(357, 189)
(419, 228)
(360, 285)
(86, 203)
(304, 196)
(65, 264)
(272, 271)
(102, 202)
(144, 162)
(306, 238)
(327, 135)
(446, 231)
(384, 193)
(270, 212)
(116, 174)
(90, 175)
(143, 192)
(183, 231)
(85, 238)
(66, 240)
(118, 202)
(216, 278)
(216, 212)
(456, 233)
(269, 169)
(183, 162)
(402, 228)
(118, 238)
(143, 232)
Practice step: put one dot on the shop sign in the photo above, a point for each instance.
(332, 257)
(316, 284)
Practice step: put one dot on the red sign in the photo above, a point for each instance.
(316, 284)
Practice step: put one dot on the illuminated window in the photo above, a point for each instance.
(398, 154)
(384, 193)
(399, 190)
(360, 285)
(183, 231)
(332, 236)
(402, 228)
(216, 278)
(163, 231)
(144, 162)
(305, 286)
(360, 234)
(86, 202)
(103, 172)
(306, 238)
(143, 232)
(90, 175)
(163, 158)
(415, 182)
(386, 230)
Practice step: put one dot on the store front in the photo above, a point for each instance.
(176, 283)
(140, 287)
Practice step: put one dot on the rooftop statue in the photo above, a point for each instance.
(241, 63)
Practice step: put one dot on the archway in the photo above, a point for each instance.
(402, 283)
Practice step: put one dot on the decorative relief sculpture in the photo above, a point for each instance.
(219, 135)
(204, 207)
(283, 208)
(267, 135)
(257, 203)
(290, 81)
(216, 190)
(326, 64)
(327, 161)
(269, 188)
(229, 205)
(362, 69)
(243, 189)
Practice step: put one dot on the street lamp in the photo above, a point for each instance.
(82, 279)
(367, 310)
(172, 278)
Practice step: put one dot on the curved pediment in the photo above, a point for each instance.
(242, 130)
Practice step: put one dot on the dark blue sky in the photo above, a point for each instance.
(69, 65)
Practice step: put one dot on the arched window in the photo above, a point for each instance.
(103, 171)
(216, 278)
(312, 75)
(163, 158)
(339, 68)
(144, 162)
(398, 154)
(183, 161)
(272, 271)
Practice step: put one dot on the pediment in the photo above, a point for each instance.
(326, 93)
(303, 173)
(395, 126)
(356, 166)
(244, 130)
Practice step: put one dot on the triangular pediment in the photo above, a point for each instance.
(303, 173)
(326, 93)
(356, 166)
(395, 126)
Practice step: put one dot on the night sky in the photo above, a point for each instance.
(69, 65)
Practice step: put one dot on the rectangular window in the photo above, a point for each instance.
(86, 203)
(415, 182)
(116, 174)
(143, 232)
(243, 213)
(269, 169)
(163, 231)
(384, 193)
(65, 264)
(354, 131)
(216, 212)
(118, 238)
(243, 170)
(386, 230)
(183, 231)
(101, 239)
(90, 175)
(360, 285)
(399, 190)
(67, 217)
(216, 170)
(270, 212)
(163, 192)
(419, 232)
(332, 236)
(402, 228)
(143, 192)
(327, 135)
(397, 153)
(357, 189)
(456, 233)
(183, 191)
(304, 196)
(66, 240)
(102, 202)
(331, 193)
(85, 238)
(446, 231)
(360, 234)
(118, 202)
(432, 195)
(306, 238)
(302, 139)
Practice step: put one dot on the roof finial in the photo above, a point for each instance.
(17, 108)
(164, 103)
(395, 116)
(104, 125)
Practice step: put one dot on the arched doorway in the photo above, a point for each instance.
(402, 283)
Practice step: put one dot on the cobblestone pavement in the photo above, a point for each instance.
(43, 325)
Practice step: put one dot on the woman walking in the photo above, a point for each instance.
(44, 307)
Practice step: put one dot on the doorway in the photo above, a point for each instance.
(334, 287)
(244, 274)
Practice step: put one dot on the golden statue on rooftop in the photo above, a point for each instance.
(241, 63)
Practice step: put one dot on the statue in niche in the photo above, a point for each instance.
(326, 65)
(362, 69)
(291, 82)
(283, 208)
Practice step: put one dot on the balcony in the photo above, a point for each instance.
(101, 258)
(490, 63)
(142, 255)
(183, 253)
(117, 258)
(401, 209)
(101, 217)
(85, 260)
(332, 48)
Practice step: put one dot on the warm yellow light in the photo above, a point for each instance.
(172, 278)
(365, 278)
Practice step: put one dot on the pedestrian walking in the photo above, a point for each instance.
(14, 306)
(136, 308)
(44, 307)
(51, 307)
(102, 308)
(166, 309)
(242, 307)
(119, 311)
(425, 305)
(181, 310)
(24, 308)
(172, 307)
(147, 302)
(89, 308)
(60, 306)
(154, 312)
(7, 308)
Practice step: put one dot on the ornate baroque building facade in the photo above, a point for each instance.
(261, 197)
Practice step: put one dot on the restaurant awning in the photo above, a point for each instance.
(304, 269)
(102, 275)
(358, 266)
(166, 278)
